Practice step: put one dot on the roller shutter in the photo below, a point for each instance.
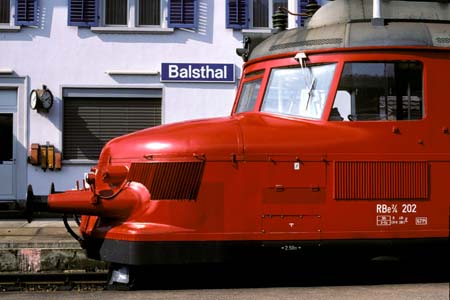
(91, 122)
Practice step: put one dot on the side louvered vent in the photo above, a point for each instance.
(381, 180)
(169, 180)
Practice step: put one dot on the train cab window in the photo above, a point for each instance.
(299, 91)
(248, 96)
(371, 91)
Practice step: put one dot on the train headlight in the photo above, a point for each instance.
(115, 175)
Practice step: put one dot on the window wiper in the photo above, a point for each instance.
(311, 87)
(301, 58)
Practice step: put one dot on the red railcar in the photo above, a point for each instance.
(339, 136)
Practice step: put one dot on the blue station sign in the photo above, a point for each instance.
(186, 72)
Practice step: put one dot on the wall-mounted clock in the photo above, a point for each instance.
(41, 99)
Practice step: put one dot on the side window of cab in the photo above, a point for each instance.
(379, 91)
(249, 91)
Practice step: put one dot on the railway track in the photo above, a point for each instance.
(237, 276)
(78, 281)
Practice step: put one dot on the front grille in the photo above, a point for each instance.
(169, 180)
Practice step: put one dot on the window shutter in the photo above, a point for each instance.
(237, 14)
(83, 13)
(301, 8)
(26, 12)
(183, 13)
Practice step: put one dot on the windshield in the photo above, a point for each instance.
(298, 91)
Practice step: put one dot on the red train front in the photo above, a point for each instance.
(339, 137)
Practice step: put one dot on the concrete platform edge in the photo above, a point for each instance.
(36, 260)
(40, 247)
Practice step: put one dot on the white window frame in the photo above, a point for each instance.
(133, 19)
(162, 16)
(103, 14)
(10, 13)
(292, 6)
(133, 15)
(269, 15)
(10, 26)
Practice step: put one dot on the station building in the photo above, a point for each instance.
(76, 73)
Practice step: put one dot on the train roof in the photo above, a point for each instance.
(348, 23)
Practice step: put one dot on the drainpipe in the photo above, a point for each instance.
(377, 19)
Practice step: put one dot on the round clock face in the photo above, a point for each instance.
(47, 99)
(33, 99)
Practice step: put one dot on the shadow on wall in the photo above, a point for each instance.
(47, 8)
(45, 14)
(81, 140)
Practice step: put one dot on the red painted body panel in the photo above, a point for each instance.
(271, 177)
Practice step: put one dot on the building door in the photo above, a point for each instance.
(8, 106)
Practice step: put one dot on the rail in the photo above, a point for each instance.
(76, 281)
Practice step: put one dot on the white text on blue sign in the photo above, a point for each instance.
(197, 72)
